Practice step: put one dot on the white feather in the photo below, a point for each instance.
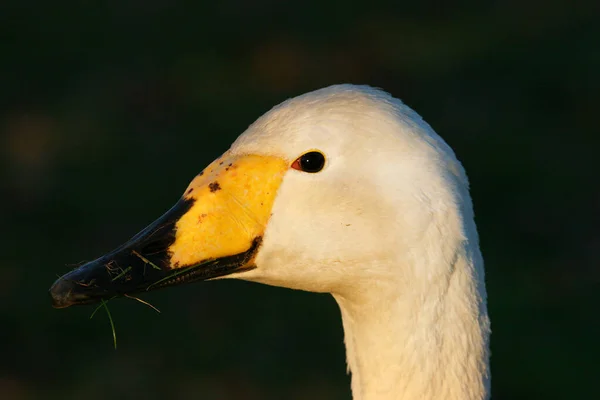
(387, 228)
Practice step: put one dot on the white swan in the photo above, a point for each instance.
(343, 190)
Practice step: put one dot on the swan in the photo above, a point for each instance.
(343, 190)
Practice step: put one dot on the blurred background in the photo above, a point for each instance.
(109, 108)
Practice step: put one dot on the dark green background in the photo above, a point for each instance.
(109, 108)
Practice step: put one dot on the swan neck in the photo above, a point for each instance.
(422, 345)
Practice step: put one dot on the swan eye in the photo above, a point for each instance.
(312, 162)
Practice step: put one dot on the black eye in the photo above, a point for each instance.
(312, 162)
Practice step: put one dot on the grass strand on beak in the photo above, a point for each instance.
(112, 324)
(143, 302)
(144, 259)
(126, 270)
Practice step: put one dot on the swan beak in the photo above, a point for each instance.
(214, 230)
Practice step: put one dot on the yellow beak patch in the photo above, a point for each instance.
(233, 198)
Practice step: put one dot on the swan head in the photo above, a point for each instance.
(341, 190)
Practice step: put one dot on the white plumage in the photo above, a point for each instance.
(387, 228)
(384, 223)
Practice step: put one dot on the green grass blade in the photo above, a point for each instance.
(95, 310)
(126, 270)
(112, 324)
(144, 259)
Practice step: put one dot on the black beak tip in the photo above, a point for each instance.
(61, 293)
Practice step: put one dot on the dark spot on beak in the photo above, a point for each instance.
(221, 163)
(214, 186)
(190, 190)
(201, 173)
(230, 164)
